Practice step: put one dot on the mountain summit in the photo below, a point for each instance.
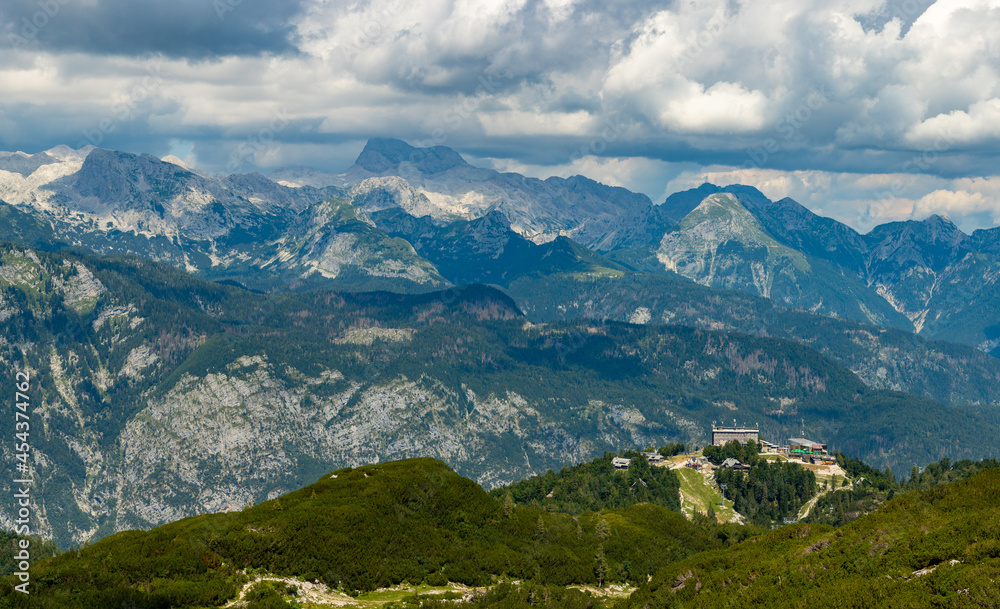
(385, 154)
(596, 215)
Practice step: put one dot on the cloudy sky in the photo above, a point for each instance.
(864, 110)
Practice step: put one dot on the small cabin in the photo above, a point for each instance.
(653, 457)
(735, 464)
(621, 463)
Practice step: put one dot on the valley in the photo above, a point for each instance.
(166, 396)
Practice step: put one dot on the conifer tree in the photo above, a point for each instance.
(600, 566)
(602, 530)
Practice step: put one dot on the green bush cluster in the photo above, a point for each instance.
(598, 486)
(872, 488)
(933, 548)
(10, 544)
(770, 491)
(748, 453)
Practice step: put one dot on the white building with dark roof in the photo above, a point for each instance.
(724, 435)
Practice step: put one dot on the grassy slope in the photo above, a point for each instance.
(871, 562)
(697, 493)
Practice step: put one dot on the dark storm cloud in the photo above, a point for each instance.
(195, 29)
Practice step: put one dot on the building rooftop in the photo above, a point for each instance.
(802, 441)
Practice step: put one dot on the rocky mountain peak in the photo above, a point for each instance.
(987, 240)
(930, 243)
(111, 176)
(62, 152)
(749, 196)
(680, 204)
(386, 154)
(721, 206)
(176, 161)
(24, 164)
(942, 230)
(494, 218)
(690, 249)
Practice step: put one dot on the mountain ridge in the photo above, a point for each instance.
(166, 396)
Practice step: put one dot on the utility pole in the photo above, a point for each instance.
(723, 487)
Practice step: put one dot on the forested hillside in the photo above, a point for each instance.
(882, 358)
(416, 521)
(598, 486)
(927, 548)
(361, 529)
(872, 487)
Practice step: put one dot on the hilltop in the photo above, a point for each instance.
(360, 529)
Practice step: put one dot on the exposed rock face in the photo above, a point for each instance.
(927, 276)
(598, 216)
(157, 396)
(81, 290)
(24, 164)
(693, 249)
(377, 194)
(721, 243)
(228, 227)
(203, 432)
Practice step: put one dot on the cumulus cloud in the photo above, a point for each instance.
(791, 94)
(980, 123)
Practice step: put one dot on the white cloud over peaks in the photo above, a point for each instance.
(720, 67)
(722, 108)
(435, 43)
(654, 74)
(980, 123)
(977, 201)
(703, 85)
(948, 202)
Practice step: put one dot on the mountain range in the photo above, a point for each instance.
(203, 341)
(165, 396)
(923, 276)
